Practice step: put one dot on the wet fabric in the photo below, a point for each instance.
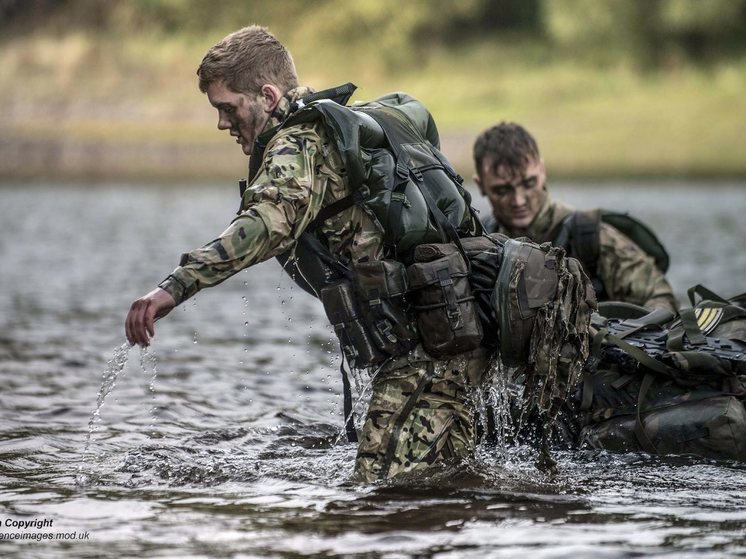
(420, 414)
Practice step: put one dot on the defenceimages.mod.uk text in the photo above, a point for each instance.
(33, 530)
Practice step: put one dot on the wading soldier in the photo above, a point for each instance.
(359, 206)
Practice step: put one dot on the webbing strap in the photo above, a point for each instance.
(689, 327)
(705, 293)
(402, 418)
(655, 317)
(584, 238)
(639, 355)
(340, 94)
(642, 436)
(347, 397)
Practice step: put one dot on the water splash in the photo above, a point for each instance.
(494, 407)
(115, 369)
(148, 360)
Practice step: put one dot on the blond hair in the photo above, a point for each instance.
(247, 59)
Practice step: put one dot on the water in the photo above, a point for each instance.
(232, 449)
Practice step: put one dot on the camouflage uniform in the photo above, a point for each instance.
(420, 410)
(626, 271)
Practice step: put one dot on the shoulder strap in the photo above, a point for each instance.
(585, 237)
(578, 233)
(340, 94)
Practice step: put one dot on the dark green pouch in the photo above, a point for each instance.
(447, 314)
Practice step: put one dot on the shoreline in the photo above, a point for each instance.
(81, 159)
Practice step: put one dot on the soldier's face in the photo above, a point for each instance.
(243, 115)
(515, 197)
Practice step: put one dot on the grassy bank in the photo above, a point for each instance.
(93, 105)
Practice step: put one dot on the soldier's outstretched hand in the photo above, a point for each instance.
(140, 323)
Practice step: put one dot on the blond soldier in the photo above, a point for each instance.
(420, 413)
(511, 174)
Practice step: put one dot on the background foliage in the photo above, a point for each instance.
(609, 87)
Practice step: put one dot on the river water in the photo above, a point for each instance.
(223, 439)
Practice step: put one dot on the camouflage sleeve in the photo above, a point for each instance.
(285, 196)
(629, 274)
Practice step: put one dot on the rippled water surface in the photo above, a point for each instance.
(223, 440)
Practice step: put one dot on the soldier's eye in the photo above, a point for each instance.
(530, 182)
(502, 191)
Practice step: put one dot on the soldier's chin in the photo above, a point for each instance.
(247, 149)
(522, 222)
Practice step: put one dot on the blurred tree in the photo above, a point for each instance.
(648, 31)
(399, 34)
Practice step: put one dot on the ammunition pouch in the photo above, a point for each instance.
(381, 286)
(342, 310)
(369, 313)
(442, 297)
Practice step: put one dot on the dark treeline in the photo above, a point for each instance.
(652, 33)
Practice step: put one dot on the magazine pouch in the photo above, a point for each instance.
(381, 286)
(343, 312)
(443, 301)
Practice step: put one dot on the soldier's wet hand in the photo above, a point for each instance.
(140, 323)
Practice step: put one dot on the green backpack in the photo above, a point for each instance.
(666, 385)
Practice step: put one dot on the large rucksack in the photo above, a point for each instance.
(666, 385)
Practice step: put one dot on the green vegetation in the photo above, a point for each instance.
(609, 87)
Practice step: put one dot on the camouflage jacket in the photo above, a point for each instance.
(301, 172)
(626, 271)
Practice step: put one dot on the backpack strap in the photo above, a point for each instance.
(579, 234)
(585, 238)
(340, 94)
(705, 294)
(639, 429)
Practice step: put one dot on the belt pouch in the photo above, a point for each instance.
(342, 311)
(443, 300)
(382, 286)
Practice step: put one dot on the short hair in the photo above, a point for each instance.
(506, 144)
(247, 59)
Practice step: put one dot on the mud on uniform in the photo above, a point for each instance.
(627, 273)
(420, 410)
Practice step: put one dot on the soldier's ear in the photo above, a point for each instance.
(271, 96)
(543, 173)
(478, 182)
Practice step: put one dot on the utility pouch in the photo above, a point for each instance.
(382, 285)
(443, 300)
(343, 312)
